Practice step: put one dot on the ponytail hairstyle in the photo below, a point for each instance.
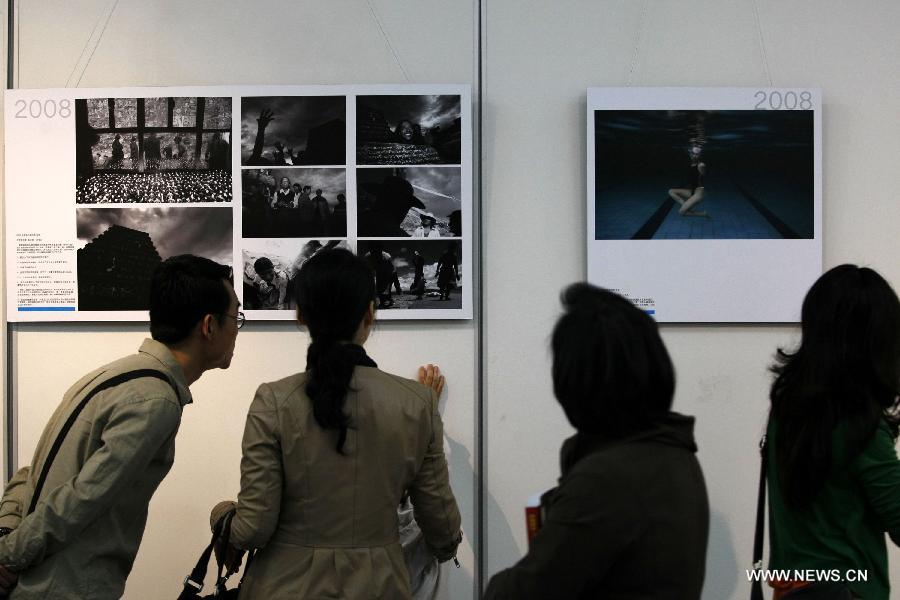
(334, 290)
(845, 373)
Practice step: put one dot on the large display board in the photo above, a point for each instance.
(704, 204)
(103, 184)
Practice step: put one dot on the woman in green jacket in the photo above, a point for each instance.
(834, 476)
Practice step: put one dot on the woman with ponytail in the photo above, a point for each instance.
(329, 453)
(833, 472)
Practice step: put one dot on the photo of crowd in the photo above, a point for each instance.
(421, 202)
(408, 130)
(279, 131)
(294, 203)
(156, 188)
(153, 150)
(271, 267)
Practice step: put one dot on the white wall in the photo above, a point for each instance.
(264, 42)
(540, 57)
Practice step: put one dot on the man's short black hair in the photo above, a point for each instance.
(611, 372)
(183, 290)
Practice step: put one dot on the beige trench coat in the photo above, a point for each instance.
(326, 523)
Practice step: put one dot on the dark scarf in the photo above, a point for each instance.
(672, 429)
(355, 353)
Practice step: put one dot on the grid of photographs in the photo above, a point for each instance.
(260, 178)
(389, 188)
(293, 191)
(143, 167)
(409, 207)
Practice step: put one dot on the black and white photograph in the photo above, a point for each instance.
(277, 161)
(294, 203)
(415, 274)
(271, 267)
(153, 150)
(118, 249)
(408, 130)
(419, 202)
(279, 131)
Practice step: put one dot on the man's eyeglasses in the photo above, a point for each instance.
(238, 317)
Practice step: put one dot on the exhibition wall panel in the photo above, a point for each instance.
(5, 420)
(112, 44)
(539, 59)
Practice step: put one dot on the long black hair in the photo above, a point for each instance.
(845, 373)
(612, 374)
(334, 290)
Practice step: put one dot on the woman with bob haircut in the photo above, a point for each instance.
(630, 516)
(833, 472)
(329, 453)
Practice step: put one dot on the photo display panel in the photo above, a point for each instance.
(104, 184)
(705, 204)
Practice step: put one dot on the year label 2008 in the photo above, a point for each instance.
(775, 100)
(43, 109)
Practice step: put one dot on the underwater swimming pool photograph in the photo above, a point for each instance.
(704, 174)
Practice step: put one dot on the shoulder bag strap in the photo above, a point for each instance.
(193, 583)
(756, 586)
(223, 573)
(57, 444)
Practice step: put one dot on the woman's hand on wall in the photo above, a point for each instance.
(430, 375)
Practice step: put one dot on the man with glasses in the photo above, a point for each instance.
(95, 471)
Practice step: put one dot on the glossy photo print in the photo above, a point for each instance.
(705, 204)
(419, 202)
(408, 130)
(703, 174)
(279, 131)
(164, 150)
(294, 203)
(270, 269)
(119, 248)
(415, 274)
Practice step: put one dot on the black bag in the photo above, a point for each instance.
(193, 583)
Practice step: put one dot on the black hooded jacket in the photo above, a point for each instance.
(629, 519)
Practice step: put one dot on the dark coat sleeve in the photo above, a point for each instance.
(588, 524)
